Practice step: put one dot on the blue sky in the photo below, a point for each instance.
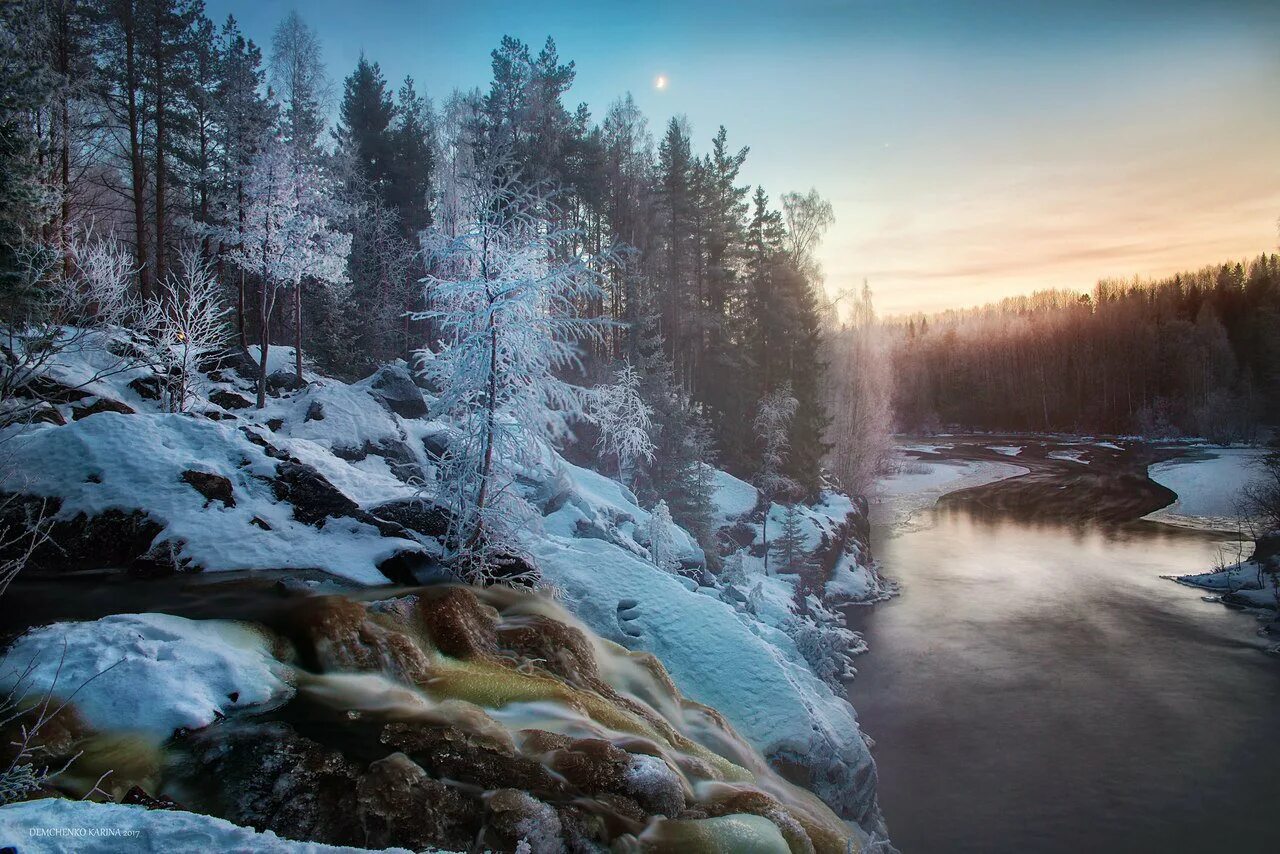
(971, 150)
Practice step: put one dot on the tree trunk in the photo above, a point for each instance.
(137, 177)
(264, 344)
(297, 330)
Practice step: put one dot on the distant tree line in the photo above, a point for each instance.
(1195, 354)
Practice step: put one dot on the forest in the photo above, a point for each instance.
(168, 174)
(1195, 354)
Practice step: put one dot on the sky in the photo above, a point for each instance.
(971, 150)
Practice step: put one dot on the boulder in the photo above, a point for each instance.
(229, 399)
(394, 388)
(111, 540)
(102, 404)
(399, 805)
(420, 515)
(267, 776)
(231, 359)
(148, 387)
(214, 487)
(282, 381)
(513, 817)
(313, 497)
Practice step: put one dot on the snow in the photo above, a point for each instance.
(135, 462)
(56, 825)
(1208, 489)
(731, 497)
(748, 670)
(899, 497)
(1007, 450)
(151, 672)
(1069, 456)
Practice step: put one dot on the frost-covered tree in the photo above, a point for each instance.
(506, 297)
(662, 543)
(191, 325)
(772, 427)
(624, 420)
(859, 395)
(284, 240)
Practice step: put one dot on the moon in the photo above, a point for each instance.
(660, 82)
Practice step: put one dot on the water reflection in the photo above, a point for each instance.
(1039, 687)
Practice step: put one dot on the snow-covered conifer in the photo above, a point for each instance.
(662, 544)
(788, 548)
(624, 419)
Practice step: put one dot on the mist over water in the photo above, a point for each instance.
(1042, 688)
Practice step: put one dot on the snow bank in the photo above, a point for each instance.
(151, 672)
(56, 825)
(1069, 456)
(1208, 489)
(136, 462)
(1006, 450)
(748, 670)
(731, 497)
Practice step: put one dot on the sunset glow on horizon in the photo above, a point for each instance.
(971, 150)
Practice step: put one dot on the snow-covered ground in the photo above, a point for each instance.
(732, 645)
(1069, 456)
(1006, 450)
(57, 826)
(919, 484)
(1208, 489)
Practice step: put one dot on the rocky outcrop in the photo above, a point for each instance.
(394, 388)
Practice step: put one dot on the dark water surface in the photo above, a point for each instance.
(1040, 688)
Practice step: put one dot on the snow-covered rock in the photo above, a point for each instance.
(154, 673)
(135, 464)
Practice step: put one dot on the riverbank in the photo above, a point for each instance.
(1039, 685)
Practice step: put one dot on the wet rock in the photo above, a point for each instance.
(230, 400)
(458, 624)
(561, 650)
(597, 767)
(399, 805)
(214, 487)
(148, 388)
(394, 388)
(340, 635)
(102, 404)
(469, 757)
(271, 778)
(513, 816)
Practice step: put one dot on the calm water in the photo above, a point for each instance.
(1042, 689)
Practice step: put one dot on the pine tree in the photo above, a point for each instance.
(788, 548)
(772, 425)
(624, 421)
(363, 134)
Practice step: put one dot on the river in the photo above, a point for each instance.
(1040, 688)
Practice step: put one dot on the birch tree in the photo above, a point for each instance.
(505, 294)
(624, 420)
(282, 239)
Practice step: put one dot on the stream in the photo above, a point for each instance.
(1039, 687)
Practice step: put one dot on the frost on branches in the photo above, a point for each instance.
(286, 238)
(191, 324)
(662, 542)
(624, 420)
(504, 294)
